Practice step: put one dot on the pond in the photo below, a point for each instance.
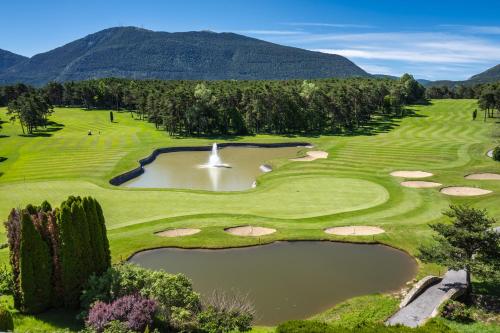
(226, 169)
(288, 280)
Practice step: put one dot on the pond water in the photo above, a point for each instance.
(239, 168)
(288, 280)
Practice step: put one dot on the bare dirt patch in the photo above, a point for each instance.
(178, 232)
(411, 174)
(249, 230)
(464, 191)
(420, 184)
(311, 156)
(358, 230)
(483, 176)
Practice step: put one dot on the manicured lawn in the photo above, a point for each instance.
(299, 199)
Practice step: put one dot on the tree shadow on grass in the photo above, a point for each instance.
(59, 318)
(51, 128)
(2, 159)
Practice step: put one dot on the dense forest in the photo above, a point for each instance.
(239, 107)
(226, 107)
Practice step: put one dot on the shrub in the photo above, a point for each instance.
(226, 313)
(6, 322)
(6, 281)
(456, 311)
(135, 311)
(172, 292)
(496, 154)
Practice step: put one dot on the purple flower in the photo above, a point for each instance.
(135, 311)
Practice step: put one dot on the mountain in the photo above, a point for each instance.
(132, 52)
(9, 59)
(489, 75)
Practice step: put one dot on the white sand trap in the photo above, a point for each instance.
(249, 230)
(358, 230)
(464, 191)
(420, 184)
(178, 232)
(411, 174)
(490, 153)
(311, 156)
(483, 176)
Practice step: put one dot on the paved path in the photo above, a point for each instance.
(421, 308)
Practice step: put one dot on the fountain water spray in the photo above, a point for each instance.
(214, 160)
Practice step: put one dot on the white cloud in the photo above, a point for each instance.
(329, 25)
(475, 29)
(272, 32)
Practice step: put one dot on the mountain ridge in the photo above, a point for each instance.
(132, 52)
(9, 59)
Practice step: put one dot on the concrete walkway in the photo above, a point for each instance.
(426, 304)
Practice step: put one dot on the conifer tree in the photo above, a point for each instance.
(35, 269)
(106, 261)
(96, 249)
(69, 260)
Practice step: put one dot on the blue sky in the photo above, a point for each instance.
(436, 39)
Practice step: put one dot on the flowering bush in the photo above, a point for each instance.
(456, 311)
(135, 311)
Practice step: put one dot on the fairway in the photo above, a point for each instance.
(353, 186)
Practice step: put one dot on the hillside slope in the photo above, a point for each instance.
(131, 52)
(9, 59)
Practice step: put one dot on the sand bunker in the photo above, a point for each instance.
(178, 232)
(483, 176)
(311, 156)
(420, 184)
(464, 191)
(358, 230)
(250, 231)
(411, 174)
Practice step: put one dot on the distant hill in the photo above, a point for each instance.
(9, 59)
(489, 75)
(130, 52)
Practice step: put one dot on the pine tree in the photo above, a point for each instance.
(69, 260)
(92, 229)
(106, 261)
(82, 240)
(35, 269)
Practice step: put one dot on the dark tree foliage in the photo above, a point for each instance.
(496, 153)
(35, 269)
(31, 109)
(468, 243)
(55, 250)
(242, 107)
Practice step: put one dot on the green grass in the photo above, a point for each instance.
(370, 309)
(299, 199)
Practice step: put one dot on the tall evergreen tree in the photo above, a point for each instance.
(35, 268)
(70, 266)
(106, 260)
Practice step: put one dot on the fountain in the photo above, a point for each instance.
(214, 160)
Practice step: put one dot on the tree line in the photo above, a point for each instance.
(229, 107)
